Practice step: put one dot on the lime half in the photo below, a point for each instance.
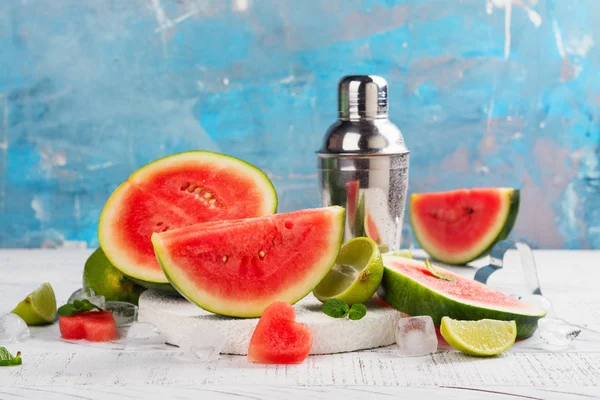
(356, 274)
(486, 337)
(39, 307)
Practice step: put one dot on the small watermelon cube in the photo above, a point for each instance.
(278, 338)
(71, 327)
(93, 326)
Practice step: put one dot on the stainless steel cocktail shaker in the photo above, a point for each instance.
(363, 163)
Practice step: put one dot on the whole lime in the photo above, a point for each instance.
(100, 275)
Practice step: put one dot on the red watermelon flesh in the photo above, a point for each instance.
(71, 327)
(352, 189)
(95, 326)
(371, 229)
(278, 338)
(174, 192)
(238, 268)
(458, 226)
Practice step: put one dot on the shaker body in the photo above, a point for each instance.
(373, 189)
(363, 163)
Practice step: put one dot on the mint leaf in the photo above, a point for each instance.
(7, 359)
(335, 308)
(77, 307)
(357, 311)
(437, 274)
(67, 310)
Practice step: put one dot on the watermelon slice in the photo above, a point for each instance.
(238, 268)
(459, 226)
(172, 192)
(409, 286)
(93, 326)
(278, 338)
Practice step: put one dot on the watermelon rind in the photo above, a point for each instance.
(166, 288)
(253, 307)
(414, 298)
(496, 233)
(118, 255)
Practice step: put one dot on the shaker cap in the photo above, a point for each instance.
(362, 97)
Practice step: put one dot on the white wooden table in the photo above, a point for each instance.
(53, 369)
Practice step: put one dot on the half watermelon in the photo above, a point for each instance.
(459, 226)
(409, 286)
(172, 192)
(238, 268)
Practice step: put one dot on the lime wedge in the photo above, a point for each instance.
(486, 337)
(39, 307)
(356, 274)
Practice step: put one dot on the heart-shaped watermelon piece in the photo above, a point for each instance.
(278, 338)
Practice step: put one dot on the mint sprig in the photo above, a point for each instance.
(7, 359)
(357, 311)
(77, 307)
(431, 269)
(336, 308)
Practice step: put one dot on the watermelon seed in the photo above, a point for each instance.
(225, 258)
(159, 223)
(261, 254)
(212, 201)
(166, 228)
(198, 190)
(207, 195)
(185, 186)
(191, 188)
(469, 210)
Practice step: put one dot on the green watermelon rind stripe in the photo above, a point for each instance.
(479, 249)
(413, 298)
(141, 277)
(162, 287)
(221, 309)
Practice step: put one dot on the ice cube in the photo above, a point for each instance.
(205, 345)
(557, 332)
(415, 336)
(123, 312)
(539, 301)
(144, 334)
(89, 295)
(13, 329)
(81, 294)
(98, 301)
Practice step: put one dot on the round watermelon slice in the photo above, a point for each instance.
(238, 268)
(459, 226)
(409, 286)
(172, 192)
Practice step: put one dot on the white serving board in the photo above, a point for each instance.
(179, 319)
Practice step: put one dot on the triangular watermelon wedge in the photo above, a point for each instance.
(239, 267)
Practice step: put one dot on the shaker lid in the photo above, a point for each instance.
(362, 97)
(363, 127)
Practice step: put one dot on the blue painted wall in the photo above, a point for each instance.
(486, 92)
